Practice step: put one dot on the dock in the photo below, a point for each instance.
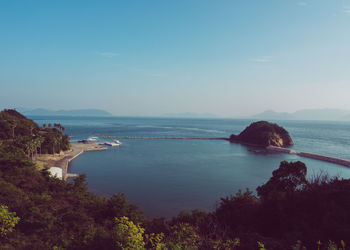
(77, 149)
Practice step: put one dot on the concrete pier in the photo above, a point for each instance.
(330, 159)
(77, 149)
(325, 158)
(161, 138)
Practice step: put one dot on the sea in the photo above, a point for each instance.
(164, 177)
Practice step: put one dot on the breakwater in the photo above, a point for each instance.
(319, 157)
(325, 158)
(161, 138)
(330, 159)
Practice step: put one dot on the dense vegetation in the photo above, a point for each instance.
(264, 133)
(40, 212)
(23, 133)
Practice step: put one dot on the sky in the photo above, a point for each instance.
(147, 58)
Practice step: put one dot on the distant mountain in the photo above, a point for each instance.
(189, 115)
(306, 114)
(272, 115)
(73, 112)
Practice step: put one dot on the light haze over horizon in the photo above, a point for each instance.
(148, 58)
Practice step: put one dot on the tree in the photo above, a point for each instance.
(184, 236)
(13, 126)
(237, 213)
(290, 177)
(59, 141)
(40, 141)
(31, 147)
(127, 235)
(8, 220)
(54, 143)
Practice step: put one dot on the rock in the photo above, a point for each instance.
(265, 134)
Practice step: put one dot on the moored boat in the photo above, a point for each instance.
(92, 139)
(117, 142)
(112, 144)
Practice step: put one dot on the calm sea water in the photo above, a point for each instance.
(164, 177)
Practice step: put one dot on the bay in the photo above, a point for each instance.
(164, 177)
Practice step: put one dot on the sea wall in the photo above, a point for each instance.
(330, 159)
(281, 150)
(325, 158)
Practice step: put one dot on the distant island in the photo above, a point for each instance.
(306, 114)
(72, 112)
(264, 134)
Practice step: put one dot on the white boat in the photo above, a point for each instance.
(118, 142)
(92, 139)
(112, 144)
(89, 140)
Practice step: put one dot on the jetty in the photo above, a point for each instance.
(319, 157)
(77, 149)
(161, 138)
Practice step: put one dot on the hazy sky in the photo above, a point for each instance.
(150, 57)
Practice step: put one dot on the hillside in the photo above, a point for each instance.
(28, 136)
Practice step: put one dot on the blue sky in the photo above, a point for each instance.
(230, 58)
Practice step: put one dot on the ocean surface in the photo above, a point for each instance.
(164, 177)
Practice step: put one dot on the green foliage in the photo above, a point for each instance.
(184, 236)
(227, 244)
(127, 235)
(13, 124)
(8, 220)
(238, 212)
(155, 241)
(261, 245)
(17, 130)
(290, 177)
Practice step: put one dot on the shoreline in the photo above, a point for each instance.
(76, 150)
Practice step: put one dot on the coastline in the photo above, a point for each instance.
(77, 150)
